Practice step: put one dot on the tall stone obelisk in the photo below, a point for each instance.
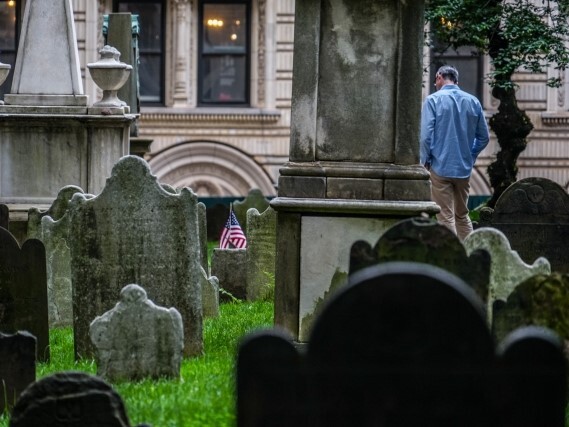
(49, 136)
(353, 168)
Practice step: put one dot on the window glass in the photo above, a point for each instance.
(224, 79)
(224, 27)
(469, 68)
(224, 52)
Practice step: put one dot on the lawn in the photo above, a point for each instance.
(205, 393)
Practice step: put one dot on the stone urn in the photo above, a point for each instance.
(110, 75)
(4, 71)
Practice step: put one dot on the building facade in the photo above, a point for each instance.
(216, 83)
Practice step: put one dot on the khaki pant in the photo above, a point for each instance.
(451, 194)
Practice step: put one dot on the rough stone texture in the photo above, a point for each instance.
(328, 240)
(70, 399)
(210, 294)
(403, 344)
(261, 252)
(137, 339)
(541, 300)
(17, 366)
(255, 199)
(424, 240)
(533, 213)
(202, 230)
(507, 269)
(23, 290)
(229, 266)
(135, 232)
(52, 228)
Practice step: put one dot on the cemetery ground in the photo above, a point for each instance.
(205, 393)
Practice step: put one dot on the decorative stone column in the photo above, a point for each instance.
(181, 59)
(353, 168)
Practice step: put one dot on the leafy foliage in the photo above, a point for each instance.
(528, 34)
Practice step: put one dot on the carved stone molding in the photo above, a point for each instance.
(255, 116)
(261, 55)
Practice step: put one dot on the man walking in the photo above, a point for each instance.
(453, 133)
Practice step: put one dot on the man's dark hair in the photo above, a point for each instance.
(448, 72)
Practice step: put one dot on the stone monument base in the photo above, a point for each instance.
(313, 248)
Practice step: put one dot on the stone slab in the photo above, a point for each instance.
(229, 266)
(137, 339)
(261, 253)
(135, 231)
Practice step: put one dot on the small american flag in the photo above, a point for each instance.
(232, 236)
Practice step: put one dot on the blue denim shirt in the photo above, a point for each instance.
(453, 132)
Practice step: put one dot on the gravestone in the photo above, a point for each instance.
(541, 300)
(23, 290)
(52, 228)
(137, 339)
(17, 366)
(507, 269)
(230, 268)
(254, 199)
(533, 213)
(135, 232)
(210, 294)
(202, 231)
(403, 344)
(261, 252)
(70, 399)
(424, 240)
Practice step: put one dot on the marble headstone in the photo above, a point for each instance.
(507, 269)
(135, 232)
(261, 253)
(230, 268)
(137, 339)
(210, 294)
(52, 228)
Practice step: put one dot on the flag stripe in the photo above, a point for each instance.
(232, 235)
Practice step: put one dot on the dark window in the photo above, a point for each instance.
(9, 18)
(151, 16)
(224, 50)
(469, 66)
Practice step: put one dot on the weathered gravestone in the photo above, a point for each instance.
(70, 399)
(210, 294)
(254, 200)
(424, 240)
(507, 269)
(403, 344)
(137, 339)
(17, 366)
(23, 290)
(541, 300)
(230, 268)
(135, 232)
(533, 213)
(52, 228)
(202, 231)
(261, 253)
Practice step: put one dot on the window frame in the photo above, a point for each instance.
(160, 53)
(201, 55)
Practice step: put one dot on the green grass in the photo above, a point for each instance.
(205, 393)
